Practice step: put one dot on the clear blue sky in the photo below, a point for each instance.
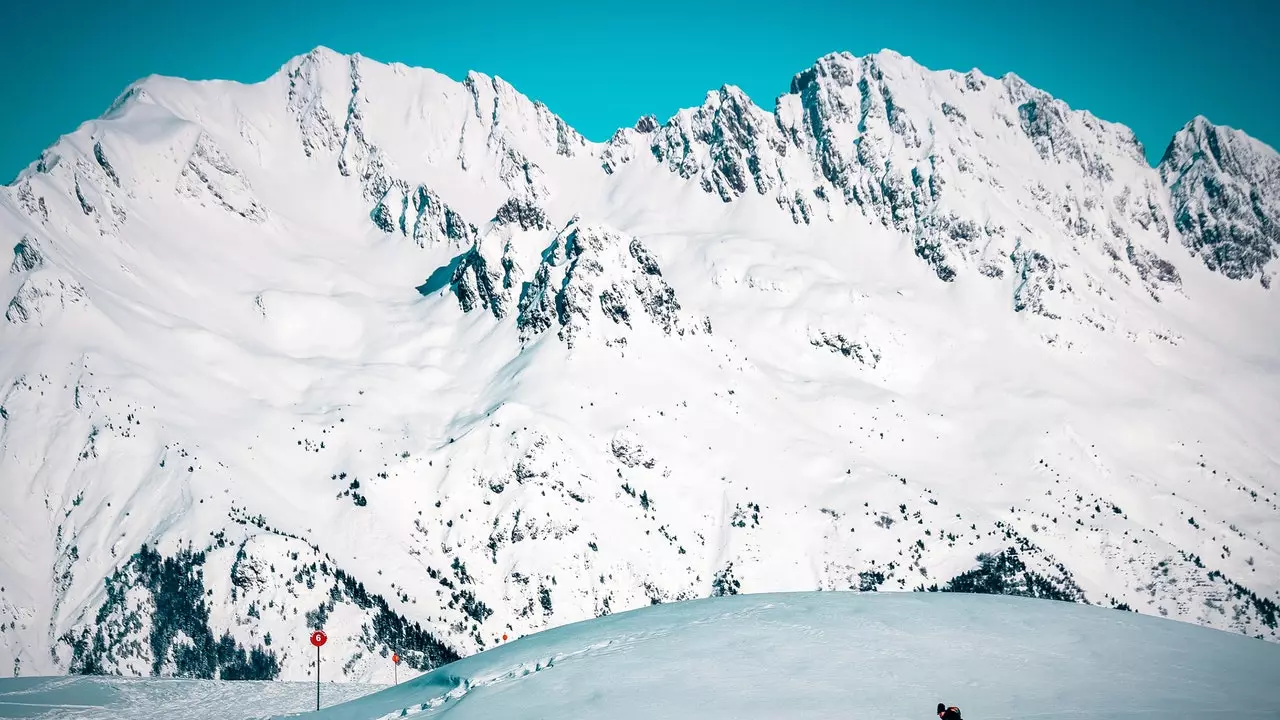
(600, 65)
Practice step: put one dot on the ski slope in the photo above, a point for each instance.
(890, 656)
(795, 655)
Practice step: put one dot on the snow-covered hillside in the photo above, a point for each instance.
(366, 348)
(793, 655)
(840, 655)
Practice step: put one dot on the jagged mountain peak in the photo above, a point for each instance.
(646, 124)
(1225, 191)
(728, 93)
(320, 54)
(883, 58)
(845, 69)
(398, 132)
(1226, 148)
(136, 92)
(314, 62)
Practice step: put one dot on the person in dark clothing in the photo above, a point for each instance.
(948, 713)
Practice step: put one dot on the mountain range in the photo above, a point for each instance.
(364, 348)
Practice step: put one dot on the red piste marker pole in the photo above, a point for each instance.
(317, 638)
(395, 658)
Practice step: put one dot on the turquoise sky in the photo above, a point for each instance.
(1151, 65)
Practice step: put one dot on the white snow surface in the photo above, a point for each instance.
(846, 655)
(364, 317)
(794, 655)
(84, 697)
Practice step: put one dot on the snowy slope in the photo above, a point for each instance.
(363, 347)
(795, 655)
(840, 655)
(108, 698)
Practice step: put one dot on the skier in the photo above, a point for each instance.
(948, 713)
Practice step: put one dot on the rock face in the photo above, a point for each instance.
(1225, 189)
(209, 176)
(420, 214)
(42, 296)
(919, 153)
(26, 256)
(966, 338)
(487, 277)
(590, 274)
(587, 277)
(729, 146)
(523, 212)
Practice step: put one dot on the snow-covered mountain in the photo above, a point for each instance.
(366, 348)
